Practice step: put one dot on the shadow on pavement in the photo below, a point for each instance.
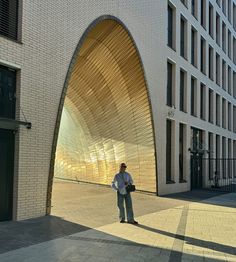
(194, 241)
(14, 235)
(205, 196)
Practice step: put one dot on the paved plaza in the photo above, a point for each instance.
(193, 226)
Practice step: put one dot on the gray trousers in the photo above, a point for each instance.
(128, 204)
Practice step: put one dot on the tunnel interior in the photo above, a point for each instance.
(106, 118)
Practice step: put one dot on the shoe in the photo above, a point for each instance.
(122, 221)
(133, 222)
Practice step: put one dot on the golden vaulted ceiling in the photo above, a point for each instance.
(106, 117)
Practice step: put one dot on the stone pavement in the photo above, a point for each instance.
(195, 226)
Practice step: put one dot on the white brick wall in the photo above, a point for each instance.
(51, 31)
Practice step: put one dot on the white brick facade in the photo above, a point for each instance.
(51, 31)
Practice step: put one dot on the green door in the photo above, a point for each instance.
(7, 141)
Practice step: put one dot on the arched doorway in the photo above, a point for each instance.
(106, 117)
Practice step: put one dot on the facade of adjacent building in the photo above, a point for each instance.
(86, 85)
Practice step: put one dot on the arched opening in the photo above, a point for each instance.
(106, 117)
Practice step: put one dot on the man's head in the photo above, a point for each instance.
(123, 167)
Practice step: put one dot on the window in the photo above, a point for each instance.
(182, 91)
(224, 37)
(230, 157)
(7, 92)
(218, 75)
(183, 37)
(229, 11)
(193, 96)
(210, 64)
(224, 6)
(223, 75)
(218, 2)
(224, 156)
(229, 44)
(229, 80)
(168, 150)
(210, 150)
(182, 131)
(234, 84)
(234, 16)
(203, 55)
(229, 117)
(210, 104)
(217, 29)
(218, 118)
(194, 8)
(203, 101)
(9, 18)
(211, 27)
(223, 113)
(218, 155)
(171, 27)
(234, 156)
(203, 13)
(234, 51)
(234, 119)
(193, 47)
(169, 84)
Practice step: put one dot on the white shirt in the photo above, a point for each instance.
(119, 182)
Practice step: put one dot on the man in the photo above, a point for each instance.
(120, 182)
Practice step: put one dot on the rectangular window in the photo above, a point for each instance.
(223, 75)
(229, 11)
(234, 119)
(218, 74)
(9, 18)
(203, 101)
(223, 113)
(171, 27)
(218, 29)
(210, 150)
(194, 8)
(182, 89)
(224, 6)
(229, 117)
(234, 156)
(224, 37)
(183, 37)
(224, 156)
(7, 92)
(229, 44)
(210, 104)
(229, 80)
(170, 81)
(234, 51)
(182, 131)
(218, 155)
(203, 55)
(193, 47)
(234, 16)
(218, 116)
(211, 24)
(230, 157)
(210, 64)
(168, 150)
(193, 96)
(203, 13)
(234, 84)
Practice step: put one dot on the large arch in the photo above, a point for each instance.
(104, 115)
